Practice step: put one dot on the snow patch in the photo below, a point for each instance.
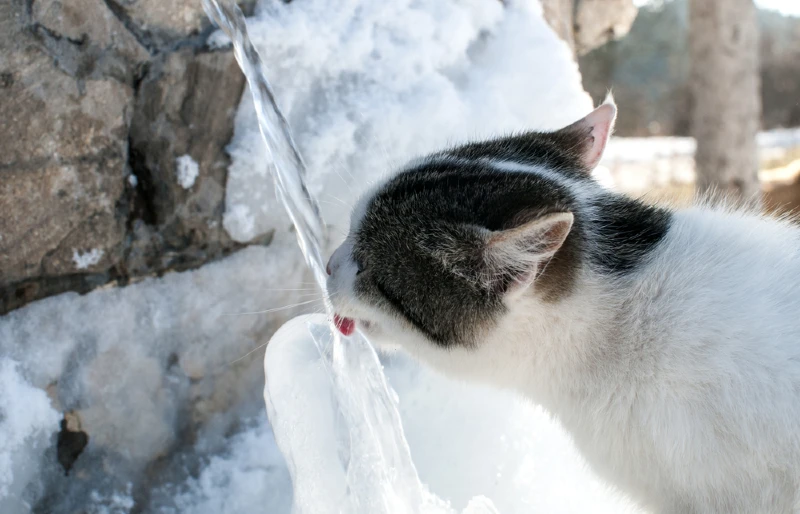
(367, 85)
(115, 503)
(88, 259)
(26, 422)
(186, 169)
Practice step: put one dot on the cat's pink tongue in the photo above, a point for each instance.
(345, 325)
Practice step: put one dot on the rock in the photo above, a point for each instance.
(559, 15)
(165, 25)
(79, 80)
(63, 171)
(71, 441)
(105, 45)
(183, 120)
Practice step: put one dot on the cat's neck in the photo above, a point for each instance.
(555, 348)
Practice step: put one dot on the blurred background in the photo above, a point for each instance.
(145, 263)
(725, 73)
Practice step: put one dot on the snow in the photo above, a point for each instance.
(186, 170)
(366, 85)
(26, 422)
(141, 364)
(115, 503)
(88, 259)
(165, 374)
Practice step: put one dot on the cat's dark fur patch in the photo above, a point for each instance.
(421, 256)
(626, 232)
(558, 151)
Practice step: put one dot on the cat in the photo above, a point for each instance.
(665, 341)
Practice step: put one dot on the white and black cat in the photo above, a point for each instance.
(667, 342)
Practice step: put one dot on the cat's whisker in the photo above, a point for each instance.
(276, 309)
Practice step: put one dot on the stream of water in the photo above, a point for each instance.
(374, 464)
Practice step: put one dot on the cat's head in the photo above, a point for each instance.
(437, 253)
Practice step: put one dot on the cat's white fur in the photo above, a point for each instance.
(680, 383)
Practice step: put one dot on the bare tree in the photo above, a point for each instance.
(723, 41)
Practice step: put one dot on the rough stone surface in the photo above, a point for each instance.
(175, 118)
(599, 21)
(62, 160)
(102, 43)
(559, 15)
(165, 23)
(81, 81)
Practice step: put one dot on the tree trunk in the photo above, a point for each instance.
(723, 37)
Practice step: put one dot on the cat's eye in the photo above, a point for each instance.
(359, 266)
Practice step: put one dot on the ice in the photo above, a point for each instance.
(186, 171)
(342, 447)
(465, 440)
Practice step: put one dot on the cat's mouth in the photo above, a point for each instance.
(348, 325)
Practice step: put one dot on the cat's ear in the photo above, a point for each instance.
(593, 132)
(515, 256)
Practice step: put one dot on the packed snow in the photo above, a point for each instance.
(165, 373)
(186, 170)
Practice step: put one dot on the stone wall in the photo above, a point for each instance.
(98, 102)
(115, 115)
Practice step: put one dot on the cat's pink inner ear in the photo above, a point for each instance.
(520, 251)
(597, 127)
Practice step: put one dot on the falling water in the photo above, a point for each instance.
(378, 475)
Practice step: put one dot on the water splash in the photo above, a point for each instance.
(355, 436)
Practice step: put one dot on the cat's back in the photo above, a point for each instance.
(729, 273)
(711, 348)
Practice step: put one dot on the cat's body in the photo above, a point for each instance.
(667, 343)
